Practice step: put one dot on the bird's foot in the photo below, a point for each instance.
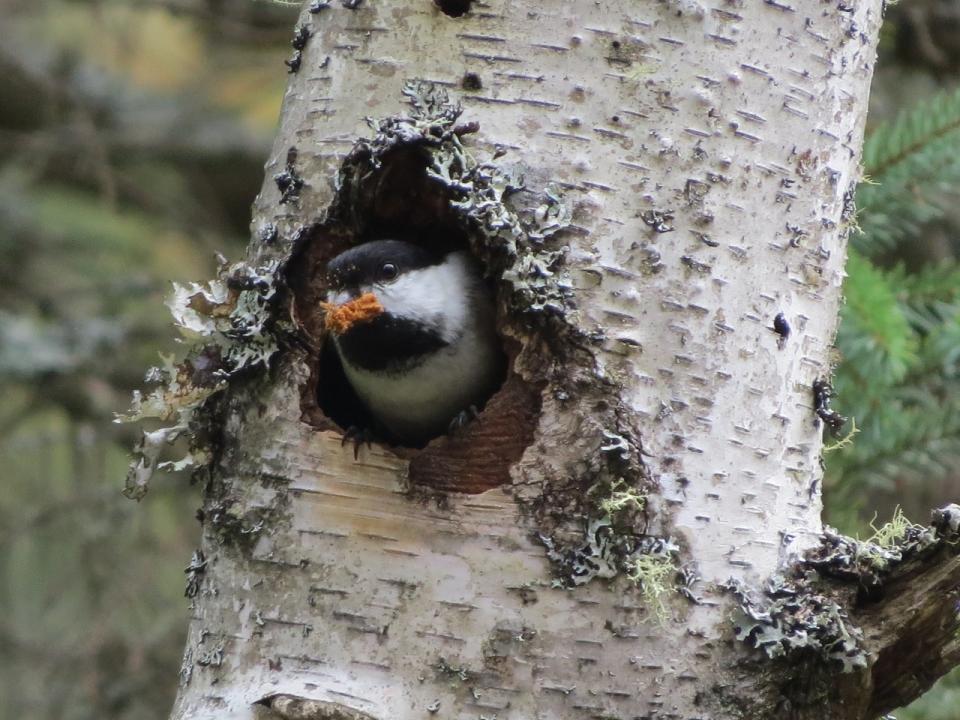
(462, 419)
(358, 436)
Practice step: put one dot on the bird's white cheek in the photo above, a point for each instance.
(415, 295)
(388, 296)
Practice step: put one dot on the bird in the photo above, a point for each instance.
(414, 328)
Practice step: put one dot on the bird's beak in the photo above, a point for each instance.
(342, 297)
(342, 316)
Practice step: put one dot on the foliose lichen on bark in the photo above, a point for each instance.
(230, 326)
(790, 616)
(612, 545)
(808, 606)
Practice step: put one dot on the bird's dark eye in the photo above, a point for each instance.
(388, 271)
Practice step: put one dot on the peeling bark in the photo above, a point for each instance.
(668, 276)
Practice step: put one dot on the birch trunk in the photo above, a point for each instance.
(707, 152)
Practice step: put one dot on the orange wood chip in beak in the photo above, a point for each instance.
(341, 318)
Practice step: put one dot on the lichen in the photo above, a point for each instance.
(804, 607)
(946, 520)
(897, 531)
(789, 617)
(645, 560)
(213, 657)
(655, 575)
(613, 511)
(234, 523)
(618, 497)
(597, 557)
(194, 572)
(868, 561)
(845, 441)
(229, 326)
(454, 673)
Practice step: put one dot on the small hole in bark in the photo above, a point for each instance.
(397, 200)
(453, 8)
(471, 81)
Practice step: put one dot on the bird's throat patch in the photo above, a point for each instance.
(386, 343)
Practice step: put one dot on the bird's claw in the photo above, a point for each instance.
(358, 436)
(462, 419)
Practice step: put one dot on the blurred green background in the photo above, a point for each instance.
(132, 139)
(132, 142)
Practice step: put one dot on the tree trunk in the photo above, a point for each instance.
(668, 275)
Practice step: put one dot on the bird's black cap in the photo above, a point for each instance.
(363, 264)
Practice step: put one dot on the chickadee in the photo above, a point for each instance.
(424, 348)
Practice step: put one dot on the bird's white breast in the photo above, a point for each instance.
(421, 400)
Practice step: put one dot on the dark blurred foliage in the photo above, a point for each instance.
(927, 35)
(132, 141)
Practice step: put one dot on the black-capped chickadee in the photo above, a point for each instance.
(414, 329)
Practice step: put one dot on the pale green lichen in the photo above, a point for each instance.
(845, 441)
(618, 498)
(893, 532)
(613, 506)
(655, 576)
(867, 560)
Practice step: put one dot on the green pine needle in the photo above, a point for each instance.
(913, 163)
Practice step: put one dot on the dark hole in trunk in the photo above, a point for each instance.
(453, 8)
(398, 200)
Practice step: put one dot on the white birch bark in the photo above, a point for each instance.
(709, 149)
